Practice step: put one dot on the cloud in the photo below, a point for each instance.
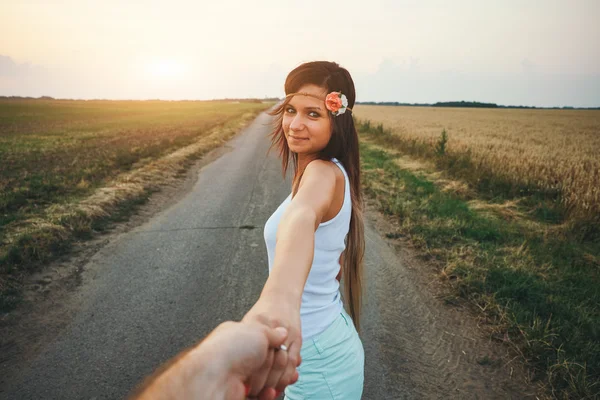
(107, 81)
(528, 66)
(24, 79)
(7, 66)
(408, 80)
(403, 82)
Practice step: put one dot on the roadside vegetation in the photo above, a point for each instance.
(70, 168)
(526, 253)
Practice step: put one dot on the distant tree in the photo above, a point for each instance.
(469, 104)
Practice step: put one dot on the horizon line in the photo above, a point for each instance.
(366, 102)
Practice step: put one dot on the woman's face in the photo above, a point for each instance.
(306, 123)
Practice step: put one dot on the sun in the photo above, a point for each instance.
(165, 69)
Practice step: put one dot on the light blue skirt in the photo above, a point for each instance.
(333, 364)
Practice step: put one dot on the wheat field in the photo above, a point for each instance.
(553, 150)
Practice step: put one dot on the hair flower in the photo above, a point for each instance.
(337, 103)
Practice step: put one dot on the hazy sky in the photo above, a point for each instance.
(543, 53)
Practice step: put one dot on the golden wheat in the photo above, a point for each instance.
(548, 149)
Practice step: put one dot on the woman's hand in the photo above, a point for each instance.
(273, 310)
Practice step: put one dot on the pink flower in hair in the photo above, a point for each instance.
(336, 102)
(333, 101)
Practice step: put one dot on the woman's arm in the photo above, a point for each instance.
(294, 249)
(280, 300)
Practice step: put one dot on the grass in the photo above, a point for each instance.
(535, 281)
(54, 151)
(71, 168)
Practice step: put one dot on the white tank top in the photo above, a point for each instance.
(321, 301)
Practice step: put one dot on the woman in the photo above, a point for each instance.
(313, 239)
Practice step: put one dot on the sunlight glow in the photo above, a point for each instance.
(165, 70)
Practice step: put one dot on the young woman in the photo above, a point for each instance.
(313, 239)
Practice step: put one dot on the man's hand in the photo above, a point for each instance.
(245, 348)
(219, 366)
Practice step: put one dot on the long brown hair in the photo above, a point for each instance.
(343, 145)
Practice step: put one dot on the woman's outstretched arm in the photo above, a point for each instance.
(280, 300)
(294, 250)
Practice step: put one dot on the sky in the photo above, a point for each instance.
(514, 52)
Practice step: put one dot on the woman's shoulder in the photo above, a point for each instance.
(326, 168)
(340, 170)
(321, 170)
(324, 174)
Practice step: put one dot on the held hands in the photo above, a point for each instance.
(219, 367)
(279, 369)
(246, 349)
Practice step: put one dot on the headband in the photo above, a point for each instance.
(335, 102)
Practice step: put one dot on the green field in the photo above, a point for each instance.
(56, 155)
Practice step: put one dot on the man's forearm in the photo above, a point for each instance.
(193, 374)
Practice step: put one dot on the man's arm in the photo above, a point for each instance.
(189, 375)
(218, 367)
